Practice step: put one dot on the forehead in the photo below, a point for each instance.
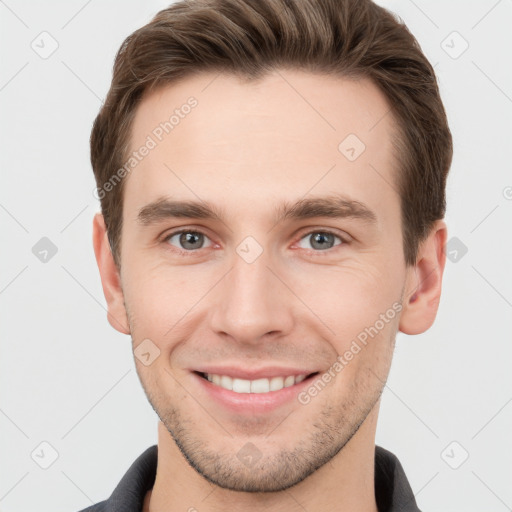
(215, 136)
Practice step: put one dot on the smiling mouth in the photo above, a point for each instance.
(259, 386)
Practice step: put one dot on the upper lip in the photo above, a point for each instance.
(253, 373)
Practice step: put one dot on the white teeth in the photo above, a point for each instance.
(254, 386)
(260, 386)
(276, 383)
(226, 382)
(289, 381)
(241, 385)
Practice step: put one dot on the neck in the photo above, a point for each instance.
(345, 483)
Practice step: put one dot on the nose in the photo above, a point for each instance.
(252, 303)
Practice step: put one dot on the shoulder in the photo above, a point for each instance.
(392, 489)
(129, 494)
(98, 507)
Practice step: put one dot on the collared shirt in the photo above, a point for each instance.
(392, 490)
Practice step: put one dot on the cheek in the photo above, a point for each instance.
(360, 305)
(363, 362)
(350, 296)
(160, 298)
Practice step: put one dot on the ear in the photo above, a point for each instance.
(110, 278)
(423, 285)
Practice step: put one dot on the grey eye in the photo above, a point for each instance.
(319, 240)
(189, 240)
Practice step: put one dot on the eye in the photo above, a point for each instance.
(319, 240)
(188, 240)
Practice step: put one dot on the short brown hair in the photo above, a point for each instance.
(346, 38)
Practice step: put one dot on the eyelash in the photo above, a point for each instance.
(324, 252)
(178, 232)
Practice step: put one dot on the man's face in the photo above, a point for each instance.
(255, 290)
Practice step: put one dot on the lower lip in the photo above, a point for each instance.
(255, 403)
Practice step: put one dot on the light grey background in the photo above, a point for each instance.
(68, 379)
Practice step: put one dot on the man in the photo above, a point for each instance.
(272, 183)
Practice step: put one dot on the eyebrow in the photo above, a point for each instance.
(333, 206)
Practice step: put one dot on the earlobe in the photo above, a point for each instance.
(110, 279)
(423, 292)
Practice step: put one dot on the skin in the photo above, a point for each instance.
(246, 148)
